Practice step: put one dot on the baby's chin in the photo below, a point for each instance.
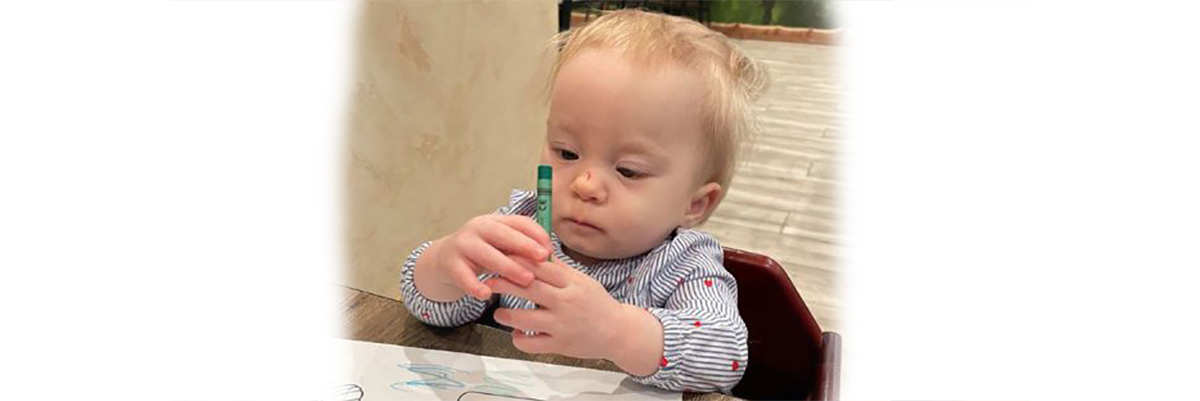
(598, 251)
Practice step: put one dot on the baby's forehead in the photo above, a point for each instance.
(645, 62)
(613, 98)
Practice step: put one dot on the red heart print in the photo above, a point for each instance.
(708, 282)
(697, 324)
(735, 365)
(425, 315)
(680, 281)
(664, 362)
(630, 280)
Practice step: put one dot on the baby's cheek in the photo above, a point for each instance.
(642, 235)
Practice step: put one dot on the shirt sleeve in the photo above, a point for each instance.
(466, 309)
(704, 337)
(445, 314)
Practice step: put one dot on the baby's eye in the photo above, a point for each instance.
(628, 173)
(567, 155)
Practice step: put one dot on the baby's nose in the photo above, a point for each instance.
(588, 187)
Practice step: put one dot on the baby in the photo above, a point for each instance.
(647, 114)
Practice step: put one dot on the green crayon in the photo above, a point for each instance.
(544, 184)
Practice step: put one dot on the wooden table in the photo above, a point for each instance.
(370, 317)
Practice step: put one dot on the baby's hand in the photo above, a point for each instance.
(508, 245)
(577, 317)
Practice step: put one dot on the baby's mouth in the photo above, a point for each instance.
(584, 224)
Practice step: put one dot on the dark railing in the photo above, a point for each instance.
(694, 9)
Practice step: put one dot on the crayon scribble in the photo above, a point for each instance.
(436, 376)
(345, 392)
(440, 377)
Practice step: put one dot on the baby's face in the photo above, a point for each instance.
(627, 149)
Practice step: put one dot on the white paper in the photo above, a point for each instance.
(392, 372)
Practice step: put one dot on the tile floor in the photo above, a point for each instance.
(782, 203)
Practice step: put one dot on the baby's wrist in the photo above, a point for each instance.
(636, 342)
(429, 278)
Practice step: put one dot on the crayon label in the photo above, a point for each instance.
(543, 211)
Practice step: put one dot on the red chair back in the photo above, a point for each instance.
(786, 353)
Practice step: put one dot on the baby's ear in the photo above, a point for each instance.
(703, 201)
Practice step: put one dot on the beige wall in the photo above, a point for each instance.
(445, 119)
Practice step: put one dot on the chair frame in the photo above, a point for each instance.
(824, 347)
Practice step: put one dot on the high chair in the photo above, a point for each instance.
(790, 357)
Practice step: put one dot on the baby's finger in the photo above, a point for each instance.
(539, 344)
(512, 241)
(525, 319)
(530, 228)
(465, 278)
(536, 291)
(484, 256)
(555, 273)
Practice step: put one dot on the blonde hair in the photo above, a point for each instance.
(732, 79)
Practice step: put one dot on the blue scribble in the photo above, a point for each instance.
(436, 376)
(497, 387)
(440, 377)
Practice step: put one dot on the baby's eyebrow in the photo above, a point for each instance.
(558, 123)
(559, 129)
(642, 147)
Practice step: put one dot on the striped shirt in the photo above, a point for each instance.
(682, 282)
